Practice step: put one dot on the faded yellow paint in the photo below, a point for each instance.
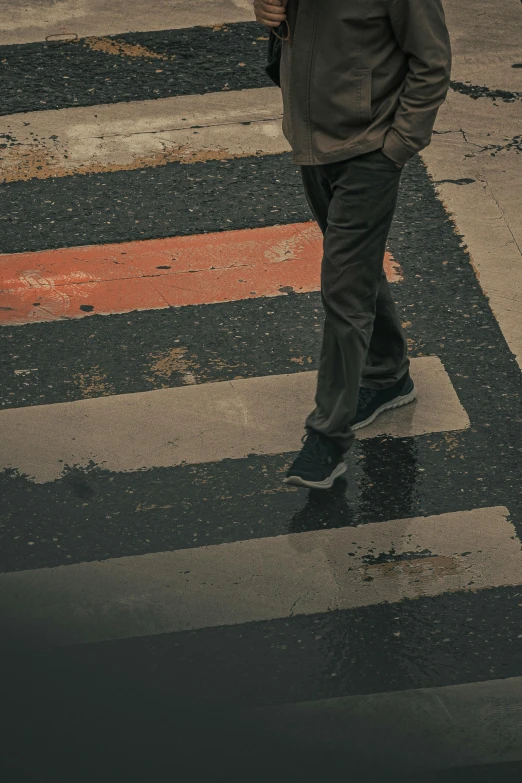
(221, 364)
(36, 160)
(93, 383)
(171, 362)
(124, 49)
(186, 154)
(451, 441)
(301, 360)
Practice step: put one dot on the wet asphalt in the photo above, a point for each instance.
(160, 705)
(446, 314)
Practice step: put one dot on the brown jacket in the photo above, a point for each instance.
(360, 75)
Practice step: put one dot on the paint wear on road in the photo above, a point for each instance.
(160, 273)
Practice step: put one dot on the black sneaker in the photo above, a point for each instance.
(372, 402)
(318, 464)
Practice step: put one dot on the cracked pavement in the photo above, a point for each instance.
(475, 157)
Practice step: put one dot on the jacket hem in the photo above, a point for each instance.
(352, 151)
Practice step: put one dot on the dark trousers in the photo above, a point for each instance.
(363, 343)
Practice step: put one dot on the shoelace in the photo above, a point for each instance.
(313, 448)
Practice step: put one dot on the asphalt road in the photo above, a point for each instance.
(392, 689)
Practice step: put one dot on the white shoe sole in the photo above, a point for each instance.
(327, 483)
(398, 402)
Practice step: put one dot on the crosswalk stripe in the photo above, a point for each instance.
(414, 730)
(159, 273)
(200, 423)
(126, 136)
(23, 24)
(260, 579)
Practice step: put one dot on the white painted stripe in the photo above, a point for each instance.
(410, 731)
(28, 22)
(475, 157)
(259, 579)
(483, 192)
(142, 133)
(205, 423)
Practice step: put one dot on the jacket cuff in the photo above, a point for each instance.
(394, 149)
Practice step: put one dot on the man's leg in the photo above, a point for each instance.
(387, 359)
(363, 198)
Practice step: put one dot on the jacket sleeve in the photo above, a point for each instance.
(420, 29)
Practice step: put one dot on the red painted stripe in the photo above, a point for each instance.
(156, 273)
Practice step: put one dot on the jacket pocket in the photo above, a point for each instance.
(341, 106)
